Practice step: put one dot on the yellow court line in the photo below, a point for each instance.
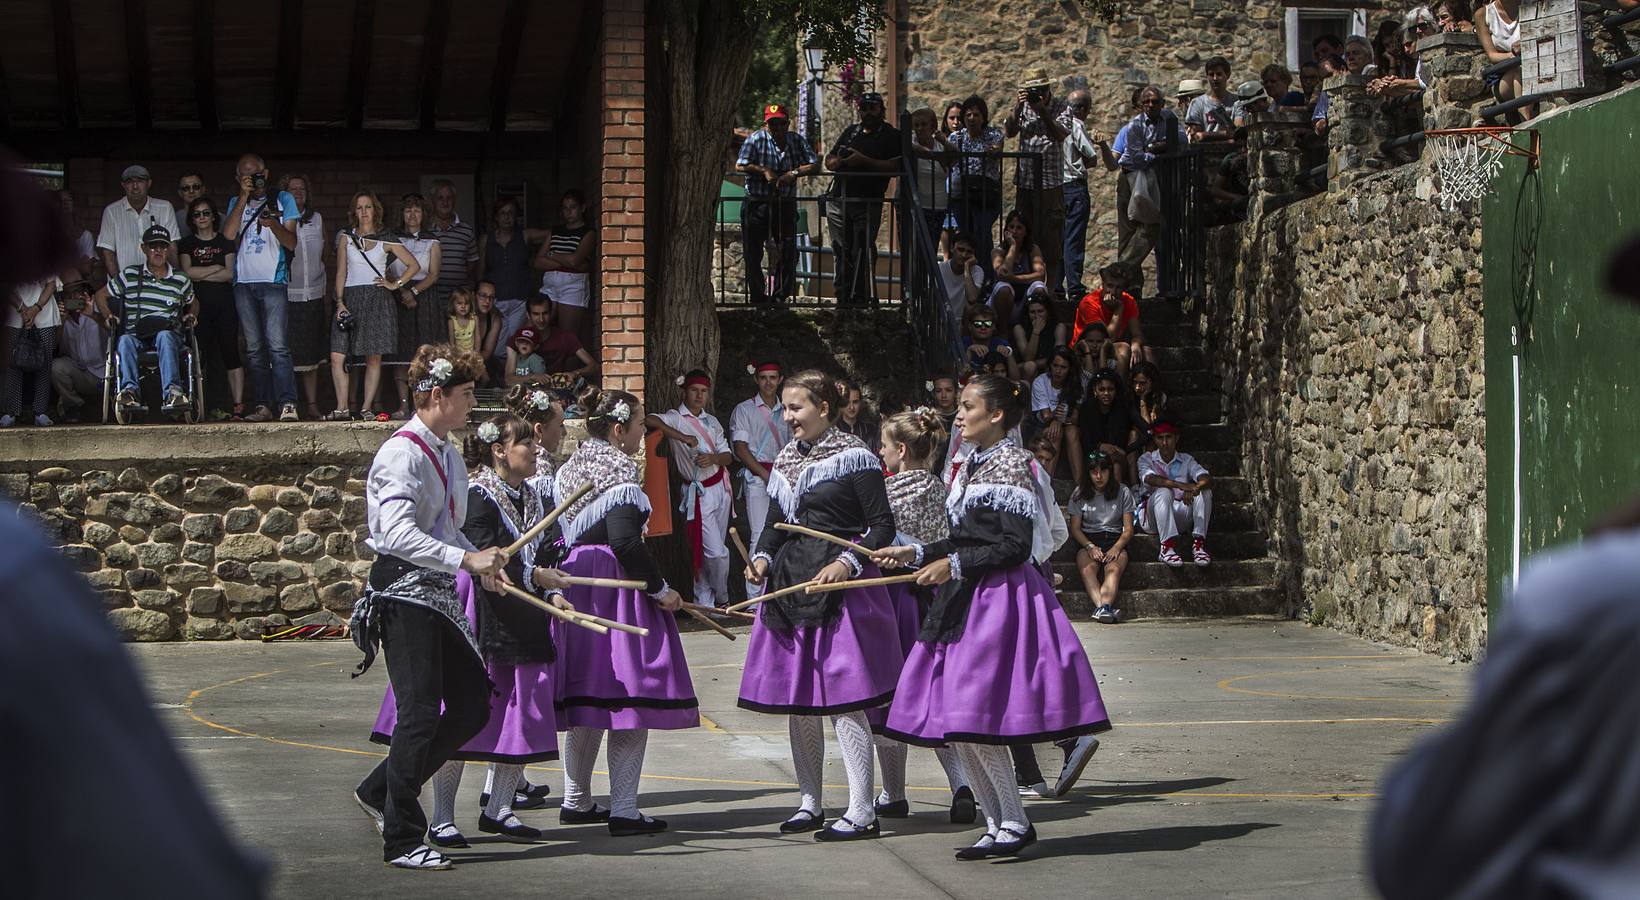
(1337, 720)
(188, 705)
(1126, 659)
(1227, 685)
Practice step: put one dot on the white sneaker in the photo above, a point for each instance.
(1038, 790)
(371, 811)
(1075, 762)
(423, 857)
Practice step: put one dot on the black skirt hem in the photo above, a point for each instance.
(377, 737)
(781, 709)
(615, 703)
(1004, 740)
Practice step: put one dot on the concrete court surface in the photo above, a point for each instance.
(1243, 763)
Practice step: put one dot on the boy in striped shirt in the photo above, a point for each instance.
(155, 298)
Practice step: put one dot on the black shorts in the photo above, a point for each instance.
(1104, 540)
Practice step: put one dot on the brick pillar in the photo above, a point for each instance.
(1273, 160)
(1452, 64)
(1353, 130)
(621, 218)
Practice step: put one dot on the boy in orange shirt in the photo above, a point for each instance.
(1121, 318)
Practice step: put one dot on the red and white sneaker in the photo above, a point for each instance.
(1169, 555)
(1198, 549)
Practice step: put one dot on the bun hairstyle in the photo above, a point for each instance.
(606, 409)
(822, 387)
(500, 428)
(1000, 393)
(522, 402)
(428, 370)
(920, 431)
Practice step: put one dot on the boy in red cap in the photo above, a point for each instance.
(1178, 494)
(772, 159)
(700, 453)
(758, 431)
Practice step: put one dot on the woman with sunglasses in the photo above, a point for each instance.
(1101, 511)
(208, 259)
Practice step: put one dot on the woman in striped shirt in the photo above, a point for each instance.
(565, 259)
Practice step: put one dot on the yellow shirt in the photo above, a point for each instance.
(461, 334)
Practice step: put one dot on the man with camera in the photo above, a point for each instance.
(78, 373)
(156, 298)
(263, 226)
(1036, 123)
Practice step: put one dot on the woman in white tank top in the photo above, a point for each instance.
(366, 324)
(1497, 24)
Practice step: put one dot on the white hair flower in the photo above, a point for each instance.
(441, 369)
(928, 385)
(621, 412)
(541, 400)
(751, 369)
(489, 432)
(678, 381)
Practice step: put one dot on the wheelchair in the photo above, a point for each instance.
(193, 371)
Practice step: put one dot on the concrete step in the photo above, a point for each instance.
(1162, 312)
(1180, 383)
(1217, 462)
(1228, 518)
(1165, 334)
(1222, 573)
(1197, 438)
(1194, 409)
(1156, 603)
(1221, 544)
(1172, 359)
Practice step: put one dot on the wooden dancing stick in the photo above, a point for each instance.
(810, 532)
(717, 611)
(862, 582)
(780, 593)
(745, 555)
(704, 619)
(525, 538)
(638, 630)
(554, 611)
(621, 583)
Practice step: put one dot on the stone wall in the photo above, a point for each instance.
(1346, 330)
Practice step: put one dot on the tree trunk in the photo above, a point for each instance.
(706, 56)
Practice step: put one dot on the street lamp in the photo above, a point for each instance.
(814, 56)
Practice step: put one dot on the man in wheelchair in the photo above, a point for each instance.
(156, 300)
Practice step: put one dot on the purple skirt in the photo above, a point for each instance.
(1017, 676)
(846, 665)
(909, 617)
(620, 680)
(522, 728)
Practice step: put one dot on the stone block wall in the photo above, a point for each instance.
(1346, 332)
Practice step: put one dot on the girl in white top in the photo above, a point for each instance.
(305, 314)
(365, 323)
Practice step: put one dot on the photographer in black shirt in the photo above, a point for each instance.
(867, 156)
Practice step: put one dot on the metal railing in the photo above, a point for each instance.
(1181, 246)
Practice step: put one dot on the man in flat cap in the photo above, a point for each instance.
(119, 240)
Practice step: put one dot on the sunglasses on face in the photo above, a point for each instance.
(983, 323)
(193, 187)
(156, 248)
(202, 214)
(1098, 456)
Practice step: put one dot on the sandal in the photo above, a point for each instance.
(340, 415)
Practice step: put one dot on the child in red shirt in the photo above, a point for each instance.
(1121, 318)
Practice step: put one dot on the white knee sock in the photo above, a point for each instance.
(489, 780)
(808, 759)
(854, 738)
(501, 794)
(626, 750)
(984, 791)
(891, 756)
(992, 763)
(580, 753)
(446, 781)
(952, 764)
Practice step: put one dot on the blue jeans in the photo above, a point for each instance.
(1076, 237)
(169, 345)
(261, 307)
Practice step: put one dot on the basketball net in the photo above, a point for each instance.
(1464, 166)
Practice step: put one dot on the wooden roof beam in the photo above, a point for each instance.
(136, 63)
(287, 75)
(358, 68)
(506, 61)
(433, 40)
(205, 64)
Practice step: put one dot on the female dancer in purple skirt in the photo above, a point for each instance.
(619, 682)
(909, 441)
(513, 636)
(996, 662)
(835, 653)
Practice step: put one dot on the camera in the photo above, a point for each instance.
(344, 322)
(1036, 90)
(258, 181)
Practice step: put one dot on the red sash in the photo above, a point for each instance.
(697, 547)
(438, 467)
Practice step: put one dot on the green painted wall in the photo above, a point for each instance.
(1549, 235)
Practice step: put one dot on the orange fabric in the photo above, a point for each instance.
(1093, 308)
(655, 486)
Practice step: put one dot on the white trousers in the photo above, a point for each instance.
(1167, 517)
(757, 512)
(712, 581)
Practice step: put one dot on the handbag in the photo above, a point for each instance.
(29, 354)
(1145, 204)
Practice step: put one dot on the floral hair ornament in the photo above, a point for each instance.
(678, 381)
(928, 386)
(438, 375)
(541, 400)
(621, 412)
(489, 432)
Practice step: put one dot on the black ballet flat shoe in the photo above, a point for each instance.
(597, 815)
(524, 801)
(1012, 847)
(854, 832)
(963, 809)
(512, 829)
(537, 791)
(453, 840)
(803, 821)
(978, 851)
(620, 826)
(897, 809)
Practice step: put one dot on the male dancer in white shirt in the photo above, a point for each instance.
(416, 499)
(757, 431)
(700, 452)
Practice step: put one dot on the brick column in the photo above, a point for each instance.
(1353, 130)
(621, 217)
(1452, 64)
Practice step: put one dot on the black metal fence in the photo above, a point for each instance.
(1181, 247)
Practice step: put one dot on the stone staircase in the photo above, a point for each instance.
(1243, 579)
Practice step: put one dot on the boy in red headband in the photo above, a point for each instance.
(758, 431)
(701, 456)
(1178, 495)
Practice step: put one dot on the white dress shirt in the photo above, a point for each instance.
(704, 427)
(122, 228)
(413, 513)
(762, 428)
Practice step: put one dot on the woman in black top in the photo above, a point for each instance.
(504, 254)
(565, 258)
(1106, 422)
(207, 259)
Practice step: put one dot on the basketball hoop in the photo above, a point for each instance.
(1467, 158)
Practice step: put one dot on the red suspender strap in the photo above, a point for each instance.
(438, 467)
